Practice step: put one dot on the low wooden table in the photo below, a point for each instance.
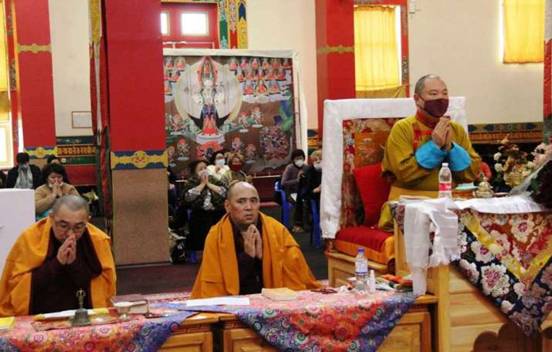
(194, 334)
(411, 334)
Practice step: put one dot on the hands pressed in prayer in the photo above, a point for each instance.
(441, 134)
(67, 252)
(252, 242)
(204, 178)
(56, 190)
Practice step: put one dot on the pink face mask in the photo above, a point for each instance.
(436, 107)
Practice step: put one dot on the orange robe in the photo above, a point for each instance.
(283, 261)
(29, 252)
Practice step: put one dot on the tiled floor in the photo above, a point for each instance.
(180, 277)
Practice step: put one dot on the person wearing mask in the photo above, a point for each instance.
(418, 145)
(218, 166)
(53, 189)
(24, 174)
(235, 173)
(293, 185)
(313, 177)
(204, 195)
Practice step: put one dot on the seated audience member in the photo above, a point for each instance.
(2, 179)
(53, 259)
(24, 174)
(235, 173)
(313, 176)
(218, 166)
(53, 188)
(247, 250)
(53, 159)
(418, 145)
(204, 195)
(293, 183)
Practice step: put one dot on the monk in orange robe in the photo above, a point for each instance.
(53, 259)
(247, 250)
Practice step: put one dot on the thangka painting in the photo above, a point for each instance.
(239, 104)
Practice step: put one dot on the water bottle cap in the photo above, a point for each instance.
(360, 250)
(445, 164)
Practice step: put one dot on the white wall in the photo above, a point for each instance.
(71, 65)
(288, 24)
(459, 40)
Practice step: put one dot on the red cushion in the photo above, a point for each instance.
(373, 189)
(370, 237)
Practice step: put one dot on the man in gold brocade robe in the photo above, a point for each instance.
(418, 145)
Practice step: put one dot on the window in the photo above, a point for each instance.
(194, 23)
(378, 51)
(523, 31)
(189, 25)
(164, 23)
(6, 141)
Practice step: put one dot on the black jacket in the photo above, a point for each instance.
(14, 173)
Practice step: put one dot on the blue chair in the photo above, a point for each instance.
(286, 205)
(316, 234)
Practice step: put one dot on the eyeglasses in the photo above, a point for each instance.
(540, 151)
(65, 226)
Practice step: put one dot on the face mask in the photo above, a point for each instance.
(24, 166)
(436, 107)
(299, 162)
(317, 166)
(235, 167)
(219, 162)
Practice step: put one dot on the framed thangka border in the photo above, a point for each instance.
(239, 101)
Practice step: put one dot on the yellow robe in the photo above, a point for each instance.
(29, 252)
(410, 178)
(283, 262)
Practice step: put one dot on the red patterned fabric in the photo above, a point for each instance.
(373, 189)
(370, 237)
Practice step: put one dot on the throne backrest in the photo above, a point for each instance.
(363, 144)
(360, 145)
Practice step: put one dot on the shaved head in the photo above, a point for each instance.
(238, 188)
(242, 204)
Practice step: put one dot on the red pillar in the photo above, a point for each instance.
(132, 113)
(34, 76)
(335, 52)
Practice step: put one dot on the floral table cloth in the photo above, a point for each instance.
(508, 258)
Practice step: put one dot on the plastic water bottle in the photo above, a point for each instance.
(445, 181)
(361, 271)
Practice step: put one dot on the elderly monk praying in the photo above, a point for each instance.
(247, 250)
(418, 145)
(56, 257)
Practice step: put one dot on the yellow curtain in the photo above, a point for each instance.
(523, 31)
(376, 52)
(4, 100)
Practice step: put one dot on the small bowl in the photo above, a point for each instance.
(123, 308)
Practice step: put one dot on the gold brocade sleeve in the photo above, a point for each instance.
(399, 156)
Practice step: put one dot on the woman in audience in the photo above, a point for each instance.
(54, 188)
(204, 195)
(53, 159)
(235, 173)
(218, 166)
(293, 184)
(313, 177)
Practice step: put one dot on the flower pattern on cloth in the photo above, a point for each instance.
(509, 258)
(138, 334)
(325, 322)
